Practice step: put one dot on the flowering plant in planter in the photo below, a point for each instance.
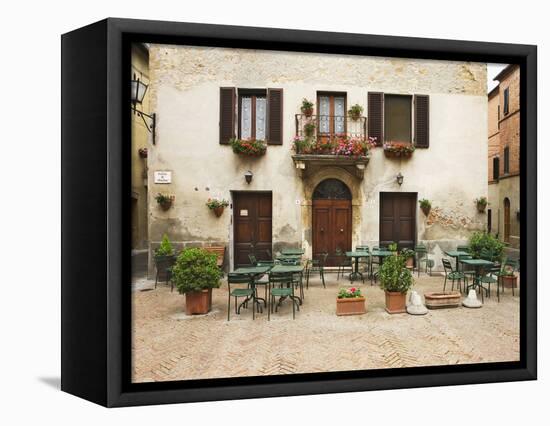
(217, 205)
(164, 200)
(302, 144)
(398, 149)
(346, 293)
(309, 128)
(481, 203)
(142, 152)
(322, 146)
(251, 147)
(351, 147)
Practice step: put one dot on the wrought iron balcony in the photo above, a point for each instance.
(331, 126)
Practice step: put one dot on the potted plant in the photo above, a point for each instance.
(484, 242)
(509, 278)
(195, 274)
(355, 112)
(481, 203)
(425, 206)
(350, 147)
(309, 128)
(395, 280)
(164, 258)
(302, 145)
(408, 254)
(249, 147)
(307, 107)
(395, 149)
(142, 152)
(392, 247)
(217, 205)
(350, 301)
(165, 201)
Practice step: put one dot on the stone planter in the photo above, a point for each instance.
(436, 300)
(351, 306)
(198, 302)
(218, 211)
(510, 281)
(396, 302)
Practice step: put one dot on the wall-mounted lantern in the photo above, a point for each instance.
(399, 178)
(248, 176)
(518, 215)
(137, 92)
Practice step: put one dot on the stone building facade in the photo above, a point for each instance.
(314, 202)
(504, 157)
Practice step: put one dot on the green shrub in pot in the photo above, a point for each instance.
(394, 276)
(195, 270)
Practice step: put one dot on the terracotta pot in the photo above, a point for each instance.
(165, 205)
(410, 262)
(308, 112)
(481, 207)
(436, 300)
(510, 281)
(396, 302)
(350, 306)
(425, 210)
(198, 302)
(397, 154)
(218, 211)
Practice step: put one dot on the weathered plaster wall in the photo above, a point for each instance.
(184, 91)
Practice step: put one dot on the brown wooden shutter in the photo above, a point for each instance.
(275, 116)
(422, 121)
(376, 116)
(227, 114)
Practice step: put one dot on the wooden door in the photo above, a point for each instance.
(252, 216)
(398, 219)
(506, 220)
(331, 219)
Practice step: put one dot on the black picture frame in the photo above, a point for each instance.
(95, 212)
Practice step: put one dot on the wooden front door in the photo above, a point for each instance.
(506, 220)
(251, 226)
(398, 219)
(331, 219)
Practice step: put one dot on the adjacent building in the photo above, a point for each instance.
(503, 157)
(205, 96)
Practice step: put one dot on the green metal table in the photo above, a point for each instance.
(252, 272)
(356, 255)
(293, 251)
(479, 265)
(456, 254)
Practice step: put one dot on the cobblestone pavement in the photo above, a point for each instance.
(168, 345)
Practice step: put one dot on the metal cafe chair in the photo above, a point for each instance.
(344, 263)
(238, 292)
(281, 286)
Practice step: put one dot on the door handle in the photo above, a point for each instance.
(322, 229)
(342, 230)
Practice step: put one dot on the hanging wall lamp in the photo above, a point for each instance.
(138, 89)
(399, 178)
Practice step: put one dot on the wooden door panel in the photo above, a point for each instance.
(398, 219)
(321, 225)
(331, 228)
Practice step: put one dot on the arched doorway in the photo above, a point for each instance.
(331, 219)
(506, 220)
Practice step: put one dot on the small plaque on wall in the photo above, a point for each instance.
(163, 177)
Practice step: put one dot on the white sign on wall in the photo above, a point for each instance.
(163, 177)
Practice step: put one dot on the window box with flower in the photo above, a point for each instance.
(350, 301)
(398, 149)
(248, 147)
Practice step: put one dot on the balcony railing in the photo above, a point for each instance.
(331, 126)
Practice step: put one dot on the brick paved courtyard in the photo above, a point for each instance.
(168, 345)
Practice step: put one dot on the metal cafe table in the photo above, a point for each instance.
(296, 257)
(292, 251)
(356, 254)
(294, 269)
(479, 265)
(252, 272)
(456, 254)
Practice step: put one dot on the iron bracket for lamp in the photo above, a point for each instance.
(150, 126)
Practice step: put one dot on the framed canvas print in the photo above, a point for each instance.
(254, 212)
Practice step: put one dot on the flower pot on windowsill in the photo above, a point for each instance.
(198, 302)
(510, 281)
(396, 302)
(218, 210)
(350, 306)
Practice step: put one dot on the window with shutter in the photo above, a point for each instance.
(227, 114)
(397, 118)
(252, 114)
(496, 166)
(375, 105)
(506, 101)
(506, 160)
(275, 116)
(422, 121)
